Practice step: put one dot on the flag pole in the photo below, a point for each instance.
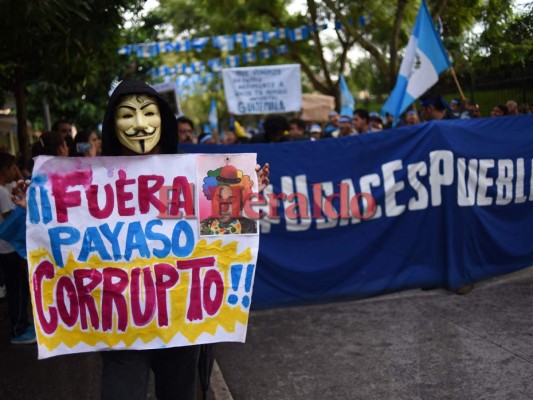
(457, 83)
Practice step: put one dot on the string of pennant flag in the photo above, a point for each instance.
(228, 42)
(216, 64)
(197, 72)
(222, 42)
(188, 85)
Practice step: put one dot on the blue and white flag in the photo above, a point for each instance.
(265, 54)
(213, 117)
(215, 64)
(249, 57)
(233, 61)
(249, 40)
(283, 49)
(198, 44)
(347, 101)
(425, 58)
(224, 42)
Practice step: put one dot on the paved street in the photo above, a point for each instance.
(410, 345)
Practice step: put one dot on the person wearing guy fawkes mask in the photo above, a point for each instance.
(137, 122)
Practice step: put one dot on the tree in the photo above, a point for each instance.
(210, 17)
(379, 29)
(68, 46)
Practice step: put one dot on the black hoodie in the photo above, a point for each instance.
(168, 144)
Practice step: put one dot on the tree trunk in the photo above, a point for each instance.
(22, 130)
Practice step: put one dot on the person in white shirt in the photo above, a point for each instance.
(13, 266)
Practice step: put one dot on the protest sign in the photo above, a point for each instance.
(316, 107)
(116, 259)
(263, 90)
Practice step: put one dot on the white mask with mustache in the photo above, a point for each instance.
(138, 123)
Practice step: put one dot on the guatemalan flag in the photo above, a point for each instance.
(213, 117)
(347, 100)
(425, 58)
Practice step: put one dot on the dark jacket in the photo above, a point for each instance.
(168, 144)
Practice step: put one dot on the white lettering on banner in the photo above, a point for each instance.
(351, 195)
(266, 222)
(392, 209)
(298, 200)
(366, 182)
(324, 222)
(519, 196)
(401, 188)
(422, 198)
(531, 183)
(466, 191)
(484, 182)
(504, 183)
(440, 173)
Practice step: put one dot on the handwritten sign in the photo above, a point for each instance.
(116, 258)
(263, 90)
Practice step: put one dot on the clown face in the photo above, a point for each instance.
(138, 123)
(229, 200)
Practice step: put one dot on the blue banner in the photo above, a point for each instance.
(454, 205)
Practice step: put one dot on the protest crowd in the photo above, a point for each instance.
(363, 121)
(274, 128)
(61, 141)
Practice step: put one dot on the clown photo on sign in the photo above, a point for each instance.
(227, 183)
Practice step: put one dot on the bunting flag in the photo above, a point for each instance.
(224, 42)
(281, 33)
(237, 37)
(298, 34)
(425, 58)
(227, 42)
(283, 49)
(250, 40)
(199, 43)
(233, 61)
(364, 20)
(213, 116)
(249, 57)
(265, 54)
(216, 64)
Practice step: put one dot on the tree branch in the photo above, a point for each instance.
(318, 44)
(400, 11)
(381, 61)
(344, 56)
(438, 9)
(295, 56)
(309, 72)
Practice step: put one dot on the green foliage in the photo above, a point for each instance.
(198, 18)
(62, 50)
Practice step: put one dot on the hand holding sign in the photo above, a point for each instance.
(262, 176)
(19, 193)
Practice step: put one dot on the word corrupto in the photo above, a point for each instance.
(138, 297)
